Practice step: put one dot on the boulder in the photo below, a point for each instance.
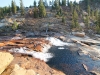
(3, 24)
(62, 38)
(27, 65)
(79, 34)
(5, 60)
(85, 13)
(82, 24)
(21, 71)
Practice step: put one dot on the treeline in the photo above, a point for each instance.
(40, 9)
(11, 9)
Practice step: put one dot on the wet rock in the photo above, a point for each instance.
(85, 67)
(5, 60)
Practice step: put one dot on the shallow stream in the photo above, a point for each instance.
(71, 63)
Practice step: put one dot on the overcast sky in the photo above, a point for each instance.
(26, 2)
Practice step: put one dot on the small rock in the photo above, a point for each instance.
(85, 67)
(62, 38)
(79, 34)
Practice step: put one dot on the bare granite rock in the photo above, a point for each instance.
(21, 71)
(79, 34)
(5, 60)
(25, 65)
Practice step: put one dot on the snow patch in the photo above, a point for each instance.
(40, 55)
(61, 48)
(57, 42)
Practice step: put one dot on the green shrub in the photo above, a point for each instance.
(63, 19)
(15, 25)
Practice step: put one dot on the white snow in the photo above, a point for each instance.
(40, 55)
(61, 48)
(44, 55)
(57, 42)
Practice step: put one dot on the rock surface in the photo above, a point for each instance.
(5, 60)
(35, 44)
(79, 34)
(25, 65)
(20, 71)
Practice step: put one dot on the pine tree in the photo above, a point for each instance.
(98, 24)
(9, 10)
(92, 14)
(75, 23)
(63, 19)
(13, 4)
(22, 7)
(46, 3)
(86, 2)
(68, 3)
(34, 3)
(63, 2)
(71, 6)
(87, 21)
(36, 12)
(56, 5)
(96, 14)
(88, 10)
(42, 10)
(75, 14)
(60, 3)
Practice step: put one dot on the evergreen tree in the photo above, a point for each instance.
(87, 3)
(98, 24)
(87, 21)
(63, 19)
(96, 14)
(71, 6)
(13, 6)
(88, 10)
(42, 10)
(18, 8)
(63, 2)
(75, 14)
(68, 3)
(60, 3)
(22, 7)
(34, 3)
(56, 5)
(92, 14)
(75, 23)
(9, 8)
(1, 13)
(46, 3)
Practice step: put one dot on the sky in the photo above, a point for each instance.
(25, 2)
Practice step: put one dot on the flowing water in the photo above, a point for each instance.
(69, 62)
(65, 57)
